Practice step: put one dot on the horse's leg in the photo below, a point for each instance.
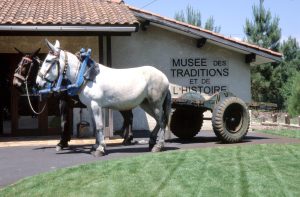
(153, 136)
(64, 115)
(96, 113)
(147, 107)
(127, 126)
(160, 111)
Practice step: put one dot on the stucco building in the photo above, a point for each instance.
(120, 36)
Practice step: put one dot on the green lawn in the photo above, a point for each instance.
(282, 132)
(252, 170)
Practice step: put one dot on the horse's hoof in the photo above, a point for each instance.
(98, 153)
(157, 148)
(94, 147)
(58, 148)
(128, 141)
(151, 146)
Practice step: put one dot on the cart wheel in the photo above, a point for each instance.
(230, 120)
(186, 123)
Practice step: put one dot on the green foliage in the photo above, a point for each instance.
(190, 16)
(269, 80)
(193, 17)
(290, 49)
(270, 170)
(263, 30)
(260, 82)
(293, 100)
(289, 70)
(210, 25)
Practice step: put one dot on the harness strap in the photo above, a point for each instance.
(29, 71)
(27, 58)
(43, 75)
(19, 76)
(40, 74)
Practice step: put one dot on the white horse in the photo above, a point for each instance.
(118, 89)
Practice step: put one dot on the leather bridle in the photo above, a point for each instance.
(18, 72)
(54, 62)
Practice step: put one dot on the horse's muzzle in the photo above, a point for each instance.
(17, 83)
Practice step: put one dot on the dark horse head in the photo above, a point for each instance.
(25, 67)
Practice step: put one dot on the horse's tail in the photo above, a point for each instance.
(167, 107)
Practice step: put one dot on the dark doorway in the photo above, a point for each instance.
(6, 74)
(16, 118)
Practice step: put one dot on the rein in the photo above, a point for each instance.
(27, 93)
(28, 98)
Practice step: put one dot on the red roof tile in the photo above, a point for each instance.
(65, 12)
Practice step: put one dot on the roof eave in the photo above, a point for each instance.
(202, 34)
(69, 28)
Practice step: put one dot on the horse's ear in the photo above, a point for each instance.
(35, 53)
(57, 44)
(23, 54)
(50, 46)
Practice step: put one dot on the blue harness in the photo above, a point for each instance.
(72, 89)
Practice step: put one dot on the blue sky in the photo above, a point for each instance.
(230, 14)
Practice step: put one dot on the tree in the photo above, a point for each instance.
(290, 50)
(293, 100)
(265, 32)
(289, 69)
(193, 17)
(190, 16)
(210, 25)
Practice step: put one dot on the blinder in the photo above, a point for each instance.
(18, 73)
(52, 62)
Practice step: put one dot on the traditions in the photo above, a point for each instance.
(201, 72)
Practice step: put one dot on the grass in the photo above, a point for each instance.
(282, 132)
(254, 170)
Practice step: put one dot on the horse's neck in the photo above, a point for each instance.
(73, 67)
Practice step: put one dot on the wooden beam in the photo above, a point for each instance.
(108, 132)
(201, 42)
(249, 58)
(100, 49)
(1, 111)
(31, 33)
(145, 25)
(108, 51)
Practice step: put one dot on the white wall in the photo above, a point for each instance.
(158, 47)
(154, 47)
